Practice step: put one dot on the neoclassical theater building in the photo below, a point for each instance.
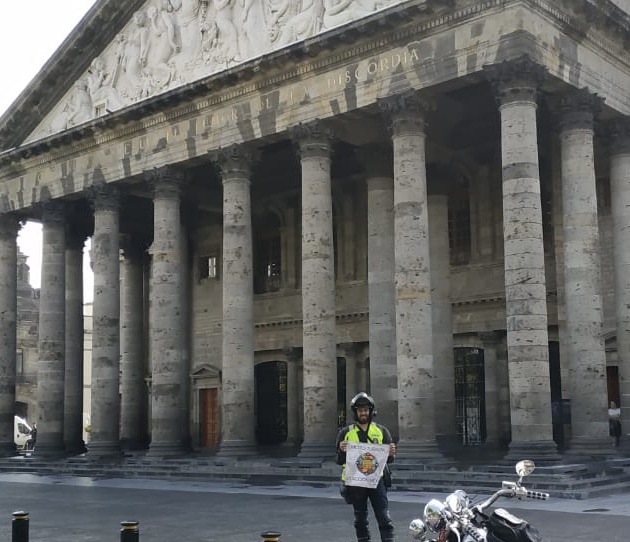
(293, 200)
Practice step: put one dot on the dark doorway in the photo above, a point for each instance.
(470, 392)
(271, 402)
(612, 379)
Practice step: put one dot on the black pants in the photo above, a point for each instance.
(378, 497)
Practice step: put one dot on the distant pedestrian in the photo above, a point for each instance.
(614, 423)
(30, 443)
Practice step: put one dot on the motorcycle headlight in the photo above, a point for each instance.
(418, 529)
(434, 514)
(458, 501)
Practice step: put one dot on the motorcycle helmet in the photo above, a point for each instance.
(362, 399)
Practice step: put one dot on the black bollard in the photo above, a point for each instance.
(270, 536)
(20, 527)
(129, 531)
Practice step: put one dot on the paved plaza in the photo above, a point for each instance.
(75, 509)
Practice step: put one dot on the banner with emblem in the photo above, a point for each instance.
(365, 463)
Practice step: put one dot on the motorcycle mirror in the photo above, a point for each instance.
(525, 467)
(418, 529)
(433, 514)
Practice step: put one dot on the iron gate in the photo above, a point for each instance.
(470, 391)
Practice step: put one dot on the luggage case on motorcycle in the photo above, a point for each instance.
(505, 527)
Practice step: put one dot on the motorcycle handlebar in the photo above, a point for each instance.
(537, 495)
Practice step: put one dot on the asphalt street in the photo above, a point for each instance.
(73, 509)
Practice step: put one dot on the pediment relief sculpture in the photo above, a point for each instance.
(169, 43)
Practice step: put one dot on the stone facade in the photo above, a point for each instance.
(420, 198)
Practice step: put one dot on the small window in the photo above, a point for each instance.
(208, 267)
(19, 362)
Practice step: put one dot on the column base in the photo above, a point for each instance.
(98, 450)
(165, 449)
(317, 450)
(424, 451)
(591, 448)
(8, 449)
(541, 452)
(236, 448)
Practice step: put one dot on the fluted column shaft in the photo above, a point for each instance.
(133, 402)
(165, 331)
(442, 315)
(237, 392)
(524, 261)
(318, 292)
(414, 323)
(585, 342)
(378, 164)
(105, 417)
(620, 198)
(73, 387)
(52, 328)
(8, 330)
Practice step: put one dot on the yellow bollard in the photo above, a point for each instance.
(129, 531)
(270, 536)
(20, 527)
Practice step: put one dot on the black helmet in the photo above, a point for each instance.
(362, 399)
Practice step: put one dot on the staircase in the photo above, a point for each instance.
(570, 481)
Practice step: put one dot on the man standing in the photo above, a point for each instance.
(365, 430)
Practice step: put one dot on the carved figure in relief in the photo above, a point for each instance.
(339, 12)
(134, 56)
(76, 110)
(253, 35)
(100, 82)
(190, 32)
(168, 16)
(305, 24)
(227, 36)
(280, 11)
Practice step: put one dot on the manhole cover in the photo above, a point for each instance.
(597, 510)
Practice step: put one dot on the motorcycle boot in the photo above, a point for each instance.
(361, 525)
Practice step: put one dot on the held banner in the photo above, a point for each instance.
(365, 463)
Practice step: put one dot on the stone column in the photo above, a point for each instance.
(620, 197)
(133, 402)
(414, 324)
(318, 292)
(8, 330)
(52, 329)
(442, 309)
(585, 342)
(165, 313)
(378, 165)
(73, 386)
(493, 422)
(293, 356)
(105, 417)
(516, 86)
(238, 383)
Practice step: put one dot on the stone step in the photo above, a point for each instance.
(575, 481)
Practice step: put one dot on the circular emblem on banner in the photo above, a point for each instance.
(367, 463)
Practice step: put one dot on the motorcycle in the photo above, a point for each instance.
(458, 519)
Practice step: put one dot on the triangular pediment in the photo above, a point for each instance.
(206, 371)
(156, 46)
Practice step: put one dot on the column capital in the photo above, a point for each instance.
(53, 211)
(405, 113)
(618, 134)
(9, 227)
(166, 181)
(576, 109)
(312, 139)
(516, 80)
(376, 160)
(104, 197)
(235, 161)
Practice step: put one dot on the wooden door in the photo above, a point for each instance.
(210, 433)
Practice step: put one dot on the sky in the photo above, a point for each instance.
(30, 32)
